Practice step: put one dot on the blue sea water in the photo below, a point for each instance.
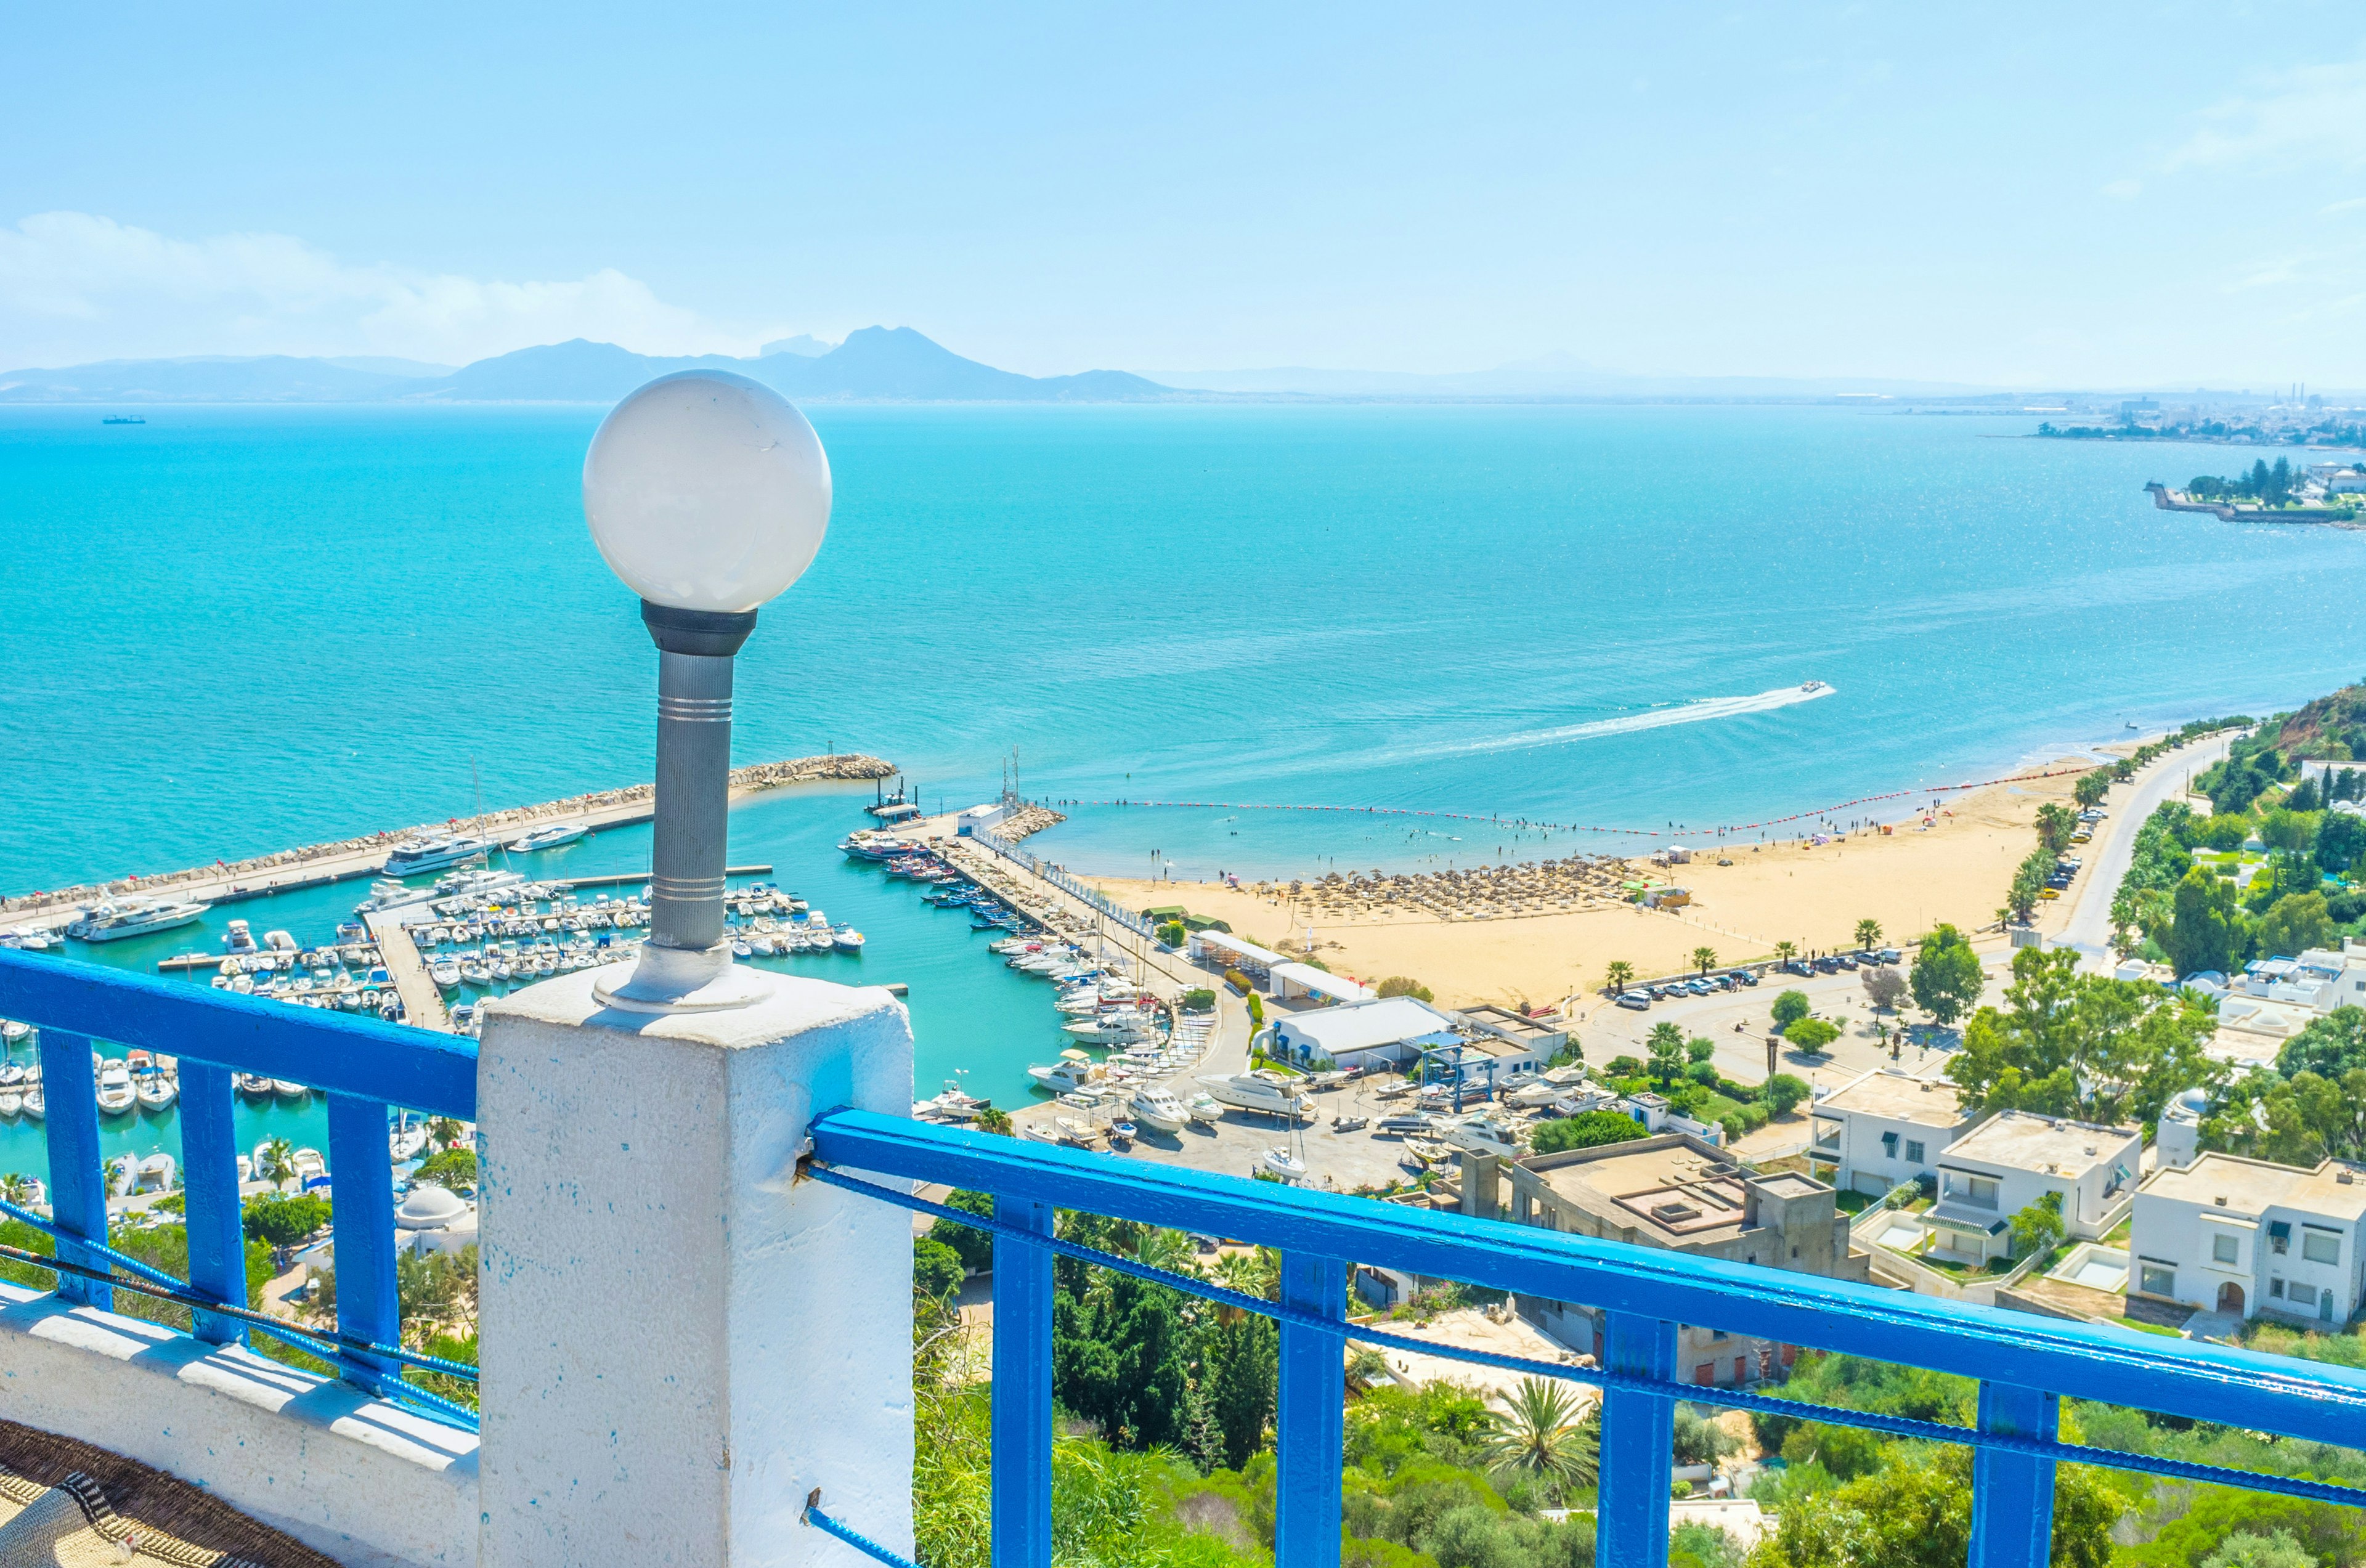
(234, 629)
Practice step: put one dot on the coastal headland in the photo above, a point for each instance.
(1544, 932)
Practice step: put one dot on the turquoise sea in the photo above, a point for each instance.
(234, 629)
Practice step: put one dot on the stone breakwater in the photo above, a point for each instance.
(611, 804)
(1025, 821)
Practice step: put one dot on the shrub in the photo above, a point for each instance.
(936, 1268)
(1238, 981)
(1624, 1067)
(1172, 933)
(974, 1246)
(1586, 1130)
(1406, 985)
(1812, 1033)
(1198, 999)
(285, 1219)
(1784, 1092)
(1789, 1008)
(1700, 1050)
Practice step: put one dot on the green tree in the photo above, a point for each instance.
(1812, 1035)
(2037, 1226)
(2056, 825)
(1868, 933)
(1946, 977)
(2205, 930)
(1242, 1371)
(2066, 1043)
(1785, 952)
(1790, 1007)
(974, 1246)
(1703, 959)
(1699, 1050)
(1667, 1045)
(277, 1163)
(2294, 924)
(1543, 1434)
(2223, 832)
(2028, 884)
(285, 1219)
(2290, 832)
(2340, 839)
(1618, 975)
(2091, 788)
(1586, 1130)
(448, 1168)
(1783, 1091)
(2244, 1549)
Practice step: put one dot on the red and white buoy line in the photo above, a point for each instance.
(1499, 820)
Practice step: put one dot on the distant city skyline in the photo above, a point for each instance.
(2167, 198)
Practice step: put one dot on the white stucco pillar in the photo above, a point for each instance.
(678, 1344)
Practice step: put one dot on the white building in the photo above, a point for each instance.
(1222, 950)
(1885, 1128)
(2177, 1137)
(2244, 1237)
(2012, 1161)
(1387, 1030)
(1287, 981)
(430, 1219)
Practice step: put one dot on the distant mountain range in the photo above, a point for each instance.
(885, 364)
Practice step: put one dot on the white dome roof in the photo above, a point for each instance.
(428, 1207)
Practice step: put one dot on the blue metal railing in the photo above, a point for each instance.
(2024, 1365)
(362, 1064)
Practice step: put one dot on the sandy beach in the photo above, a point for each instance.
(1536, 935)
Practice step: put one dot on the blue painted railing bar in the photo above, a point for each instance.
(361, 1168)
(1638, 1431)
(210, 1179)
(863, 1543)
(1309, 1412)
(1648, 1294)
(2013, 1493)
(77, 1179)
(334, 1051)
(1022, 1388)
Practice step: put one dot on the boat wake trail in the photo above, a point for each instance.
(1695, 712)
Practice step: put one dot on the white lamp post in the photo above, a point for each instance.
(708, 494)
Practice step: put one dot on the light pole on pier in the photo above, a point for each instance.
(708, 494)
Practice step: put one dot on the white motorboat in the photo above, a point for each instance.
(239, 938)
(407, 1142)
(953, 1105)
(156, 1093)
(1480, 1133)
(1155, 1107)
(116, 1096)
(1205, 1109)
(12, 1031)
(287, 1090)
(1104, 1030)
(1282, 1163)
(1069, 1076)
(310, 1168)
(110, 921)
(548, 837)
(33, 1104)
(845, 938)
(445, 974)
(12, 1104)
(1259, 1090)
(433, 851)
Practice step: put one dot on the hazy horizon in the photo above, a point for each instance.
(2163, 198)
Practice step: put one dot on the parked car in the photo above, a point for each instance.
(1828, 965)
(1636, 1001)
(1846, 960)
(1890, 955)
(1743, 976)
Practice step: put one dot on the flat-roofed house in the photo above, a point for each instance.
(1885, 1128)
(2012, 1161)
(2247, 1237)
(1388, 1031)
(1677, 1193)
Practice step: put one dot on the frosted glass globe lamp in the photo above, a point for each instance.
(708, 494)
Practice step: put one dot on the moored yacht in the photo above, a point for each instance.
(548, 837)
(109, 921)
(1259, 1090)
(433, 851)
(1155, 1107)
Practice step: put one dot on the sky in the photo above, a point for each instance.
(2161, 196)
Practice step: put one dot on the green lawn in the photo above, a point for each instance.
(2147, 1328)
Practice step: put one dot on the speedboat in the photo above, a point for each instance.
(252, 1085)
(110, 921)
(433, 851)
(156, 1093)
(310, 1168)
(1155, 1107)
(548, 837)
(285, 1089)
(1104, 1030)
(1482, 1132)
(239, 938)
(445, 974)
(12, 1031)
(845, 938)
(953, 1105)
(1205, 1109)
(116, 1096)
(33, 1104)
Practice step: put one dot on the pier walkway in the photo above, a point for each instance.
(422, 1004)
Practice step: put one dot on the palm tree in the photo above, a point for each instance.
(1785, 952)
(1867, 933)
(16, 1187)
(1160, 1248)
(1619, 975)
(444, 1131)
(1546, 1432)
(277, 1162)
(1705, 959)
